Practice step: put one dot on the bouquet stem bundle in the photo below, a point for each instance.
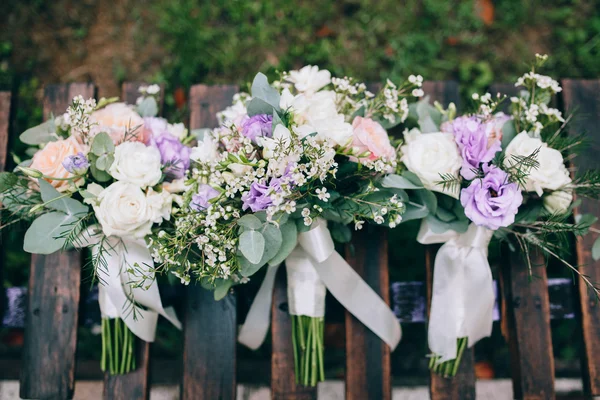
(117, 347)
(307, 339)
(450, 367)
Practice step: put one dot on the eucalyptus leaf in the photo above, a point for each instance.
(200, 133)
(414, 211)
(104, 162)
(67, 205)
(102, 144)
(222, 287)
(252, 245)
(399, 182)
(258, 106)
(508, 133)
(249, 221)
(427, 198)
(148, 107)
(246, 267)
(262, 90)
(439, 226)
(596, 250)
(40, 134)
(289, 240)
(340, 233)
(99, 175)
(444, 215)
(44, 236)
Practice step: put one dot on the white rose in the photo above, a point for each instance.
(136, 163)
(551, 173)
(428, 155)
(123, 210)
(558, 202)
(206, 151)
(335, 128)
(177, 130)
(309, 79)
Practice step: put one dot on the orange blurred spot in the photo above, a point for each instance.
(180, 99)
(389, 51)
(325, 31)
(485, 11)
(484, 370)
(452, 40)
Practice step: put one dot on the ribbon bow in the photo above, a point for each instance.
(314, 266)
(127, 262)
(463, 293)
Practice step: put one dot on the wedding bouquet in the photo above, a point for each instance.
(495, 175)
(104, 175)
(289, 167)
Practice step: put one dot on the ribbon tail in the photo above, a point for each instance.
(255, 328)
(359, 298)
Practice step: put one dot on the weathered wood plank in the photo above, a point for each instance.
(283, 379)
(583, 98)
(5, 98)
(368, 369)
(136, 384)
(462, 386)
(526, 316)
(52, 315)
(210, 326)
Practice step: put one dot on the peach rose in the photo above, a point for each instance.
(118, 118)
(369, 136)
(49, 161)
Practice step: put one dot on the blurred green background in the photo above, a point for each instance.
(180, 43)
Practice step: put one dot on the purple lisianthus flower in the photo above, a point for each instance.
(174, 153)
(257, 199)
(76, 164)
(200, 201)
(473, 142)
(156, 126)
(492, 201)
(257, 126)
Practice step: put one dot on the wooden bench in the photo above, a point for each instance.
(210, 328)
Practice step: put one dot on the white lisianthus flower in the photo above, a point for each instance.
(282, 138)
(159, 205)
(558, 202)
(176, 186)
(234, 114)
(551, 173)
(136, 163)
(206, 151)
(177, 130)
(239, 170)
(428, 155)
(123, 210)
(309, 79)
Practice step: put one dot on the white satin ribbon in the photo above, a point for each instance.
(463, 298)
(128, 262)
(316, 252)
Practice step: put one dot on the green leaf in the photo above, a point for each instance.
(276, 121)
(262, 90)
(258, 106)
(273, 240)
(200, 133)
(102, 144)
(444, 215)
(596, 250)
(148, 107)
(252, 245)
(67, 205)
(427, 198)
(44, 236)
(439, 226)
(43, 133)
(250, 221)
(508, 133)
(428, 117)
(399, 182)
(7, 181)
(414, 211)
(340, 233)
(104, 162)
(289, 239)
(222, 287)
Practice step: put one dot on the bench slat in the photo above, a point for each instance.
(52, 314)
(462, 386)
(526, 316)
(368, 368)
(210, 327)
(582, 97)
(134, 385)
(283, 379)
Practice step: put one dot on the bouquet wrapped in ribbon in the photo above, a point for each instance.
(290, 167)
(495, 175)
(104, 175)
